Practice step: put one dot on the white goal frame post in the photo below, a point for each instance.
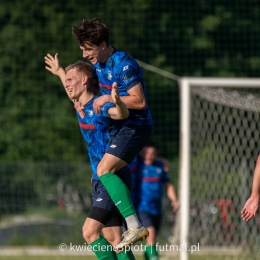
(185, 84)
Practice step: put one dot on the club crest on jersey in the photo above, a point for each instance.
(125, 67)
(90, 113)
(109, 75)
(159, 170)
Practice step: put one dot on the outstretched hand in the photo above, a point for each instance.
(80, 108)
(250, 208)
(115, 94)
(175, 205)
(53, 62)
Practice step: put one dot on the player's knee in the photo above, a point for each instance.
(89, 235)
(85, 234)
(107, 165)
(100, 169)
(103, 168)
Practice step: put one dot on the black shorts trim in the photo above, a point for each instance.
(106, 217)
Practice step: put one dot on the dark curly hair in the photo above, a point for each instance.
(91, 31)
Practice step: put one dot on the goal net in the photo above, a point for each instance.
(219, 147)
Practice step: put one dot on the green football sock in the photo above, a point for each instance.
(151, 253)
(102, 249)
(119, 193)
(126, 255)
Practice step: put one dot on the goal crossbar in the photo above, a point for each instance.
(223, 82)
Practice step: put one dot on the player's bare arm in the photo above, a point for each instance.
(171, 194)
(135, 100)
(120, 111)
(252, 204)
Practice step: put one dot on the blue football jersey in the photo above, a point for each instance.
(98, 131)
(123, 69)
(152, 185)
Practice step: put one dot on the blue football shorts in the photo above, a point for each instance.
(103, 208)
(129, 141)
(149, 220)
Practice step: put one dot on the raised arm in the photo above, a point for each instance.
(120, 111)
(55, 68)
(251, 206)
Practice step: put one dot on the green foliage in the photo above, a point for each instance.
(191, 38)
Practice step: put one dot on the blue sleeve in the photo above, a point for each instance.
(165, 177)
(105, 108)
(130, 74)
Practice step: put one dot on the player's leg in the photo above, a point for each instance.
(92, 234)
(113, 235)
(121, 192)
(117, 189)
(152, 223)
(114, 223)
(125, 146)
(100, 214)
(150, 251)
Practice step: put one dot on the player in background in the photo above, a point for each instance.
(150, 179)
(98, 131)
(112, 65)
(251, 206)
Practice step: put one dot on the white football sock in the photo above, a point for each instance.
(133, 222)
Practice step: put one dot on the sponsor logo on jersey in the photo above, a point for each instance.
(101, 85)
(99, 199)
(98, 70)
(118, 202)
(113, 146)
(87, 126)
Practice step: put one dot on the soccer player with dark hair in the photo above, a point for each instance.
(113, 65)
(98, 131)
(150, 180)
